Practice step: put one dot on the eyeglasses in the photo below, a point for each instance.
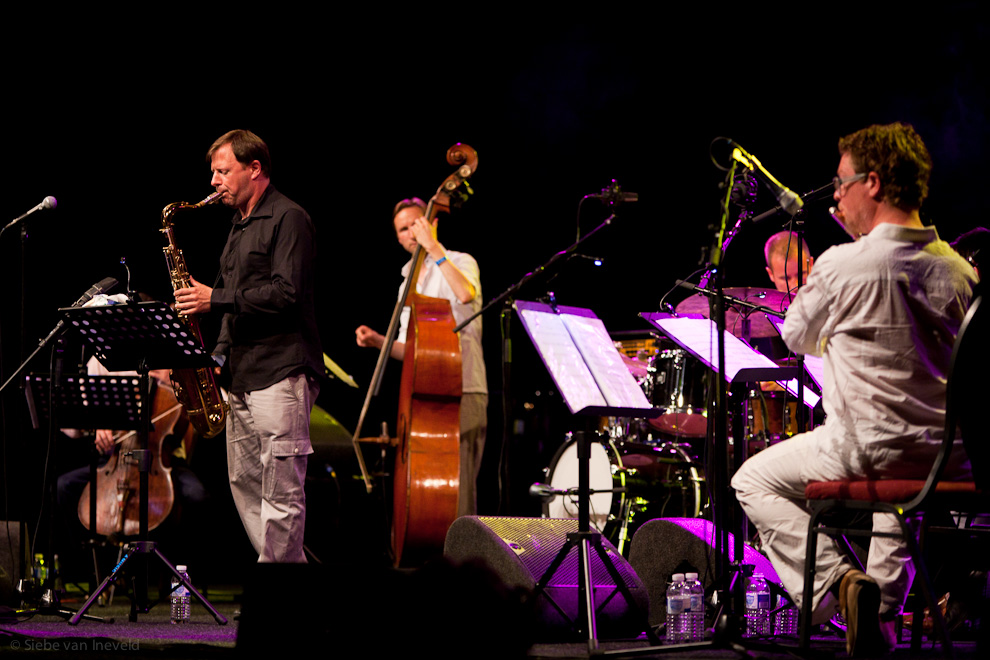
(838, 183)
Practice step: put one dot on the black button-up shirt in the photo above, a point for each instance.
(265, 291)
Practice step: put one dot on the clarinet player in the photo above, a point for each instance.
(269, 340)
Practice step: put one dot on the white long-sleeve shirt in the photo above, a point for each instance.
(883, 312)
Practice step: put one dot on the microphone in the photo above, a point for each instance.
(612, 194)
(544, 492)
(598, 261)
(106, 285)
(789, 200)
(47, 203)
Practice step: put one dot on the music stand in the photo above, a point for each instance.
(139, 337)
(742, 366)
(84, 402)
(589, 373)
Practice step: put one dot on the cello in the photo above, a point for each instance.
(427, 446)
(117, 482)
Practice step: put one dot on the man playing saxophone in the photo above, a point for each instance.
(269, 339)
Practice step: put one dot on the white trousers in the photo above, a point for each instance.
(770, 488)
(267, 452)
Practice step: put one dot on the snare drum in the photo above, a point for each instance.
(677, 385)
(772, 416)
(660, 481)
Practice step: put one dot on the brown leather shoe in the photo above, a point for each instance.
(859, 601)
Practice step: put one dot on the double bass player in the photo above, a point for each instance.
(453, 276)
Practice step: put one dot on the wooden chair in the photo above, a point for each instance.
(924, 501)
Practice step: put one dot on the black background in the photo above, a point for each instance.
(358, 109)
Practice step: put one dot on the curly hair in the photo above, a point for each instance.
(898, 156)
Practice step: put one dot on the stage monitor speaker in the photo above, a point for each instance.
(665, 546)
(13, 559)
(520, 550)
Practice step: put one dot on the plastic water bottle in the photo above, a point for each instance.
(785, 621)
(180, 597)
(757, 607)
(676, 605)
(695, 608)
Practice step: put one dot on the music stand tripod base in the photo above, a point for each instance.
(145, 547)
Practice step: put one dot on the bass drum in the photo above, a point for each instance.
(653, 482)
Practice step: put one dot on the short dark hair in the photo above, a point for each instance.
(247, 148)
(898, 156)
(406, 203)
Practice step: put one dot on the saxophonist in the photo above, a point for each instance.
(269, 340)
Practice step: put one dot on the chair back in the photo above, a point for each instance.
(968, 392)
(962, 394)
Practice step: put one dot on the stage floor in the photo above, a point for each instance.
(293, 626)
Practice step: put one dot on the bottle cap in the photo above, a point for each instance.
(181, 568)
(691, 576)
(678, 577)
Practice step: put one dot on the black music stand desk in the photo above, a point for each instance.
(589, 373)
(141, 337)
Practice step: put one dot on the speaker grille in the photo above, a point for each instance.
(537, 541)
(521, 550)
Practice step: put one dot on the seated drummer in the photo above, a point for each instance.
(781, 253)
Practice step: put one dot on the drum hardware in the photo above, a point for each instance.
(677, 384)
(771, 417)
(742, 305)
(651, 481)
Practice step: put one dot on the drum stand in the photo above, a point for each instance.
(585, 540)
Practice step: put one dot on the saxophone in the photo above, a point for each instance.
(195, 388)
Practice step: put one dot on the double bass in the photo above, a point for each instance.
(427, 445)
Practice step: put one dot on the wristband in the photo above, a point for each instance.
(441, 260)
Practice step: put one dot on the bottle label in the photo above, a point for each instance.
(675, 605)
(757, 601)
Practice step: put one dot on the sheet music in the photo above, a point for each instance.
(813, 364)
(699, 337)
(582, 359)
(599, 352)
(562, 359)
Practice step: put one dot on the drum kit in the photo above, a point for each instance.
(641, 469)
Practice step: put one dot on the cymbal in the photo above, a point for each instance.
(759, 325)
(636, 368)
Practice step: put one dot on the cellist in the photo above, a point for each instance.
(453, 276)
(189, 492)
